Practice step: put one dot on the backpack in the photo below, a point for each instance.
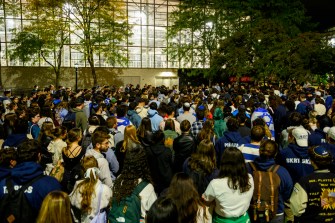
(112, 133)
(128, 210)
(87, 140)
(14, 205)
(69, 120)
(264, 203)
(70, 177)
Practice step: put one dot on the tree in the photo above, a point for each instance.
(101, 26)
(260, 38)
(44, 37)
(198, 27)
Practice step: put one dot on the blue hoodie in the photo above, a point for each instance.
(134, 118)
(229, 139)
(14, 140)
(4, 172)
(296, 160)
(155, 119)
(27, 171)
(316, 137)
(286, 184)
(331, 149)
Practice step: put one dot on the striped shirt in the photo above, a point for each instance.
(250, 151)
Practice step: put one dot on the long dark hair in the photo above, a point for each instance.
(135, 167)
(204, 159)
(144, 126)
(234, 168)
(184, 194)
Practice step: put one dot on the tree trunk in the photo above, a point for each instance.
(91, 62)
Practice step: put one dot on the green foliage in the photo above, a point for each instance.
(27, 46)
(259, 38)
(103, 27)
(44, 37)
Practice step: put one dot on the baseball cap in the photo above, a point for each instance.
(330, 132)
(320, 151)
(113, 100)
(301, 136)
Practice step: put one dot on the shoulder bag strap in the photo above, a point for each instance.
(99, 198)
(252, 165)
(140, 187)
(273, 168)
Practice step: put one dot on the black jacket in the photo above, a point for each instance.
(183, 146)
(160, 164)
(147, 139)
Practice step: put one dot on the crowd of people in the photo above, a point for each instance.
(157, 154)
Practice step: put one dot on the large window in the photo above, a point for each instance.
(146, 48)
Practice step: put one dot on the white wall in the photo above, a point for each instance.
(155, 77)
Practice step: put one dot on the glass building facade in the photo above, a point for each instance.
(147, 47)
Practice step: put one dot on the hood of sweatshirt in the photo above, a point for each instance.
(26, 171)
(152, 113)
(233, 136)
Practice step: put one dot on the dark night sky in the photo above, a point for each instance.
(321, 11)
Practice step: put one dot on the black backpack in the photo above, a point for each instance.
(14, 206)
(70, 177)
(87, 140)
(69, 120)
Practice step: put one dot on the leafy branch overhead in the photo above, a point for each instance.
(259, 38)
(95, 29)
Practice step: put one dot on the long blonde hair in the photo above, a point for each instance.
(130, 137)
(55, 208)
(87, 186)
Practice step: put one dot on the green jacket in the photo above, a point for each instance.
(81, 119)
(220, 125)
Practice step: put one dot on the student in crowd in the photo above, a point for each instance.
(220, 126)
(19, 134)
(236, 185)
(111, 123)
(27, 170)
(100, 143)
(33, 118)
(201, 166)
(155, 118)
(230, 138)
(55, 208)
(183, 146)
(132, 114)
(267, 153)
(72, 155)
(170, 115)
(251, 150)
(190, 205)
(122, 120)
(57, 144)
(163, 210)
(187, 114)
(144, 132)
(207, 132)
(80, 116)
(130, 141)
(160, 162)
(295, 156)
(90, 196)
(312, 199)
(134, 172)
